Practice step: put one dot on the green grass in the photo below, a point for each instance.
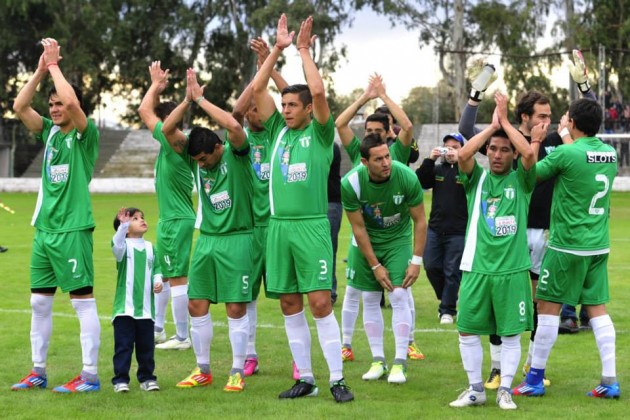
(573, 368)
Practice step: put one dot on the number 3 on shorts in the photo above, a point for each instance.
(324, 265)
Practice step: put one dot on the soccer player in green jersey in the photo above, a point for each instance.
(260, 154)
(222, 263)
(574, 268)
(139, 277)
(62, 247)
(299, 249)
(176, 223)
(495, 292)
(381, 198)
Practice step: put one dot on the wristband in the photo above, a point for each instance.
(584, 87)
(374, 267)
(51, 64)
(199, 100)
(416, 260)
(475, 95)
(536, 141)
(564, 132)
(303, 48)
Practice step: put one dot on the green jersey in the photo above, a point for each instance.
(63, 202)
(260, 155)
(384, 206)
(138, 268)
(496, 235)
(584, 173)
(397, 151)
(225, 193)
(300, 163)
(173, 181)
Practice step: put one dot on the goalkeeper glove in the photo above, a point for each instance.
(579, 74)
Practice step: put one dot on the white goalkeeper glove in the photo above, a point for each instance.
(483, 75)
(579, 74)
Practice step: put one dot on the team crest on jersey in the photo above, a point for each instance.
(509, 193)
(305, 141)
(398, 199)
(69, 142)
(549, 149)
(223, 168)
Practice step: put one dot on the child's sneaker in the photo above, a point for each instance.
(150, 385)
(121, 387)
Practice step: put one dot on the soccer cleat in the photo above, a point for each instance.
(235, 383)
(32, 380)
(529, 390)
(78, 384)
(341, 392)
(150, 385)
(469, 398)
(413, 351)
(546, 382)
(196, 378)
(300, 389)
(296, 372)
(121, 387)
(606, 391)
(494, 380)
(159, 337)
(397, 375)
(174, 343)
(377, 371)
(446, 319)
(504, 399)
(346, 354)
(251, 366)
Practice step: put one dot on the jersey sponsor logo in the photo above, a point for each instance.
(221, 200)
(373, 211)
(549, 149)
(505, 226)
(260, 169)
(391, 220)
(208, 182)
(305, 142)
(297, 172)
(59, 173)
(509, 193)
(439, 178)
(398, 199)
(601, 157)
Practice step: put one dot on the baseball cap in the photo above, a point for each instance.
(455, 136)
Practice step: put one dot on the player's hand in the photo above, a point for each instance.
(123, 215)
(371, 91)
(159, 77)
(578, 71)
(41, 64)
(539, 132)
(411, 275)
(196, 91)
(260, 47)
(379, 85)
(501, 109)
(51, 51)
(283, 37)
(157, 287)
(382, 276)
(304, 38)
(495, 123)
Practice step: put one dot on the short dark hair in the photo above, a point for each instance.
(131, 211)
(378, 117)
(501, 133)
(369, 142)
(587, 115)
(302, 91)
(526, 104)
(383, 109)
(77, 91)
(163, 109)
(202, 139)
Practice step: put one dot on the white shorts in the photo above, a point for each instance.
(537, 243)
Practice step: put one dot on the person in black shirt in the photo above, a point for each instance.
(335, 211)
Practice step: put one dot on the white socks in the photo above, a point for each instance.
(373, 322)
(350, 313)
(238, 331)
(161, 302)
(300, 343)
(330, 342)
(90, 332)
(401, 320)
(180, 310)
(546, 336)
(472, 357)
(412, 308)
(201, 332)
(41, 328)
(252, 313)
(495, 356)
(510, 358)
(605, 336)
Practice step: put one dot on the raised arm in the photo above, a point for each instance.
(343, 120)
(406, 127)
(22, 104)
(466, 154)
(262, 51)
(159, 81)
(64, 90)
(237, 136)
(528, 157)
(264, 102)
(321, 111)
(176, 137)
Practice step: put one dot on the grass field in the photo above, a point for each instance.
(574, 366)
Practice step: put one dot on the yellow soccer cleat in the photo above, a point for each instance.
(413, 351)
(235, 383)
(195, 379)
(494, 380)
